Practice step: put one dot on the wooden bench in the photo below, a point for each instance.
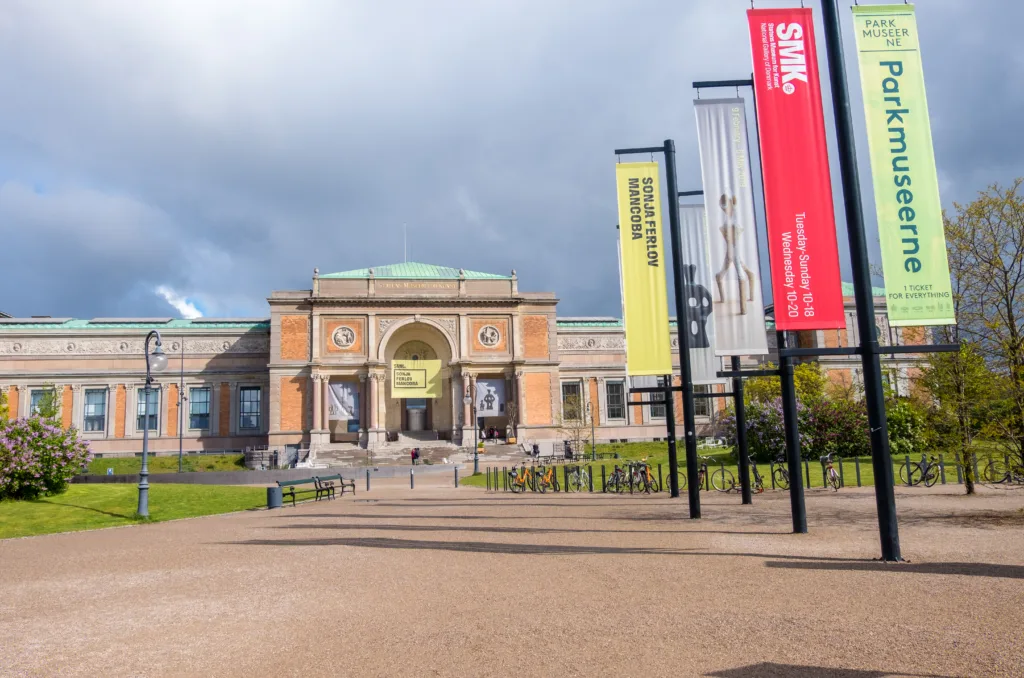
(328, 483)
(289, 488)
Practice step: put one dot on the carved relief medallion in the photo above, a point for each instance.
(489, 336)
(344, 337)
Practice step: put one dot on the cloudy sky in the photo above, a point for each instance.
(168, 158)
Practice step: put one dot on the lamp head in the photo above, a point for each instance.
(158, 359)
(467, 400)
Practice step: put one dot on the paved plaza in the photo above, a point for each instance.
(456, 582)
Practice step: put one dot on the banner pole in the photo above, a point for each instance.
(689, 412)
(885, 499)
(792, 427)
(741, 433)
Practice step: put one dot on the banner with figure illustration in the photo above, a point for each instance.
(642, 256)
(415, 378)
(699, 302)
(344, 401)
(731, 233)
(490, 397)
(806, 284)
(917, 285)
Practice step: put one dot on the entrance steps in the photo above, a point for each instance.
(397, 454)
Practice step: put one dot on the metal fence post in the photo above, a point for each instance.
(842, 478)
(807, 472)
(856, 467)
(974, 463)
(906, 460)
(412, 479)
(959, 469)
(367, 480)
(661, 483)
(590, 477)
(456, 476)
(604, 482)
(771, 472)
(566, 476)
(942, 468)
(824, 480)
(533, 478)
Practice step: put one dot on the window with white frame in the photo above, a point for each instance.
(702, 406)
(615, 399)
(36, 399)
(658, 411)
(249, 407)
(199, 408)
(572, 401)
(153, 420)
(94, 419)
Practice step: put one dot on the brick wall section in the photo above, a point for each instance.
(538, 398)
(535, 336)
(172, 410)
(638, 410)
(66, 407)
(595, 402)
(293, 403)
(12, 402)
(224, 418)
(294, 337)
(913, 336)
(119, 398)
(677, 402)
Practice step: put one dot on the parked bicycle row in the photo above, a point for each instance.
(642, 477)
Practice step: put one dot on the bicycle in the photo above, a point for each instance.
(641, 477)
(758, 484)
(781, 474)
(578, 479)
(547, 479)
(667, 483)
(831, 476)
(519, 481)
(998, 471)
(617, 481)
(916, 472)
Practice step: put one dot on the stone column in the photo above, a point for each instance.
(77, 419)
(317, 410)
(374, 404)
(325, 401)
(520, 397)
(472, 391)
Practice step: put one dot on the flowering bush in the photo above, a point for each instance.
(37, 458)
(766, 436)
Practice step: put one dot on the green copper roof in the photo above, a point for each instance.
(875, 291)
(595, 323)
(138, 324)
(413, 270)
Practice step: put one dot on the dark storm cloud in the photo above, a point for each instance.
(225, 149)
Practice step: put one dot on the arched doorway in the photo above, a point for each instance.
(418, 417)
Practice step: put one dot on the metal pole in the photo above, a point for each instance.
(143, 508)
(741, 433)
(181, 401)
(367, 480)
(593, 435)
(792, 427)
(689, 413)
(885, 498)
(670, 424)
(476, 431)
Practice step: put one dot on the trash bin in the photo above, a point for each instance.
(274, 497)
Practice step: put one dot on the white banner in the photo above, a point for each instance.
(729, 199)
(344, 403)
(699, 301)
(490, 397)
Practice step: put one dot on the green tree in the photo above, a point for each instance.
(5, 414)
(48, 408)
(809, 379)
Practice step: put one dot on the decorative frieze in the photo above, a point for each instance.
(591, 342)
(31, 346)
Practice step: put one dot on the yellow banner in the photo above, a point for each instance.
(642, 252)
(415, 378)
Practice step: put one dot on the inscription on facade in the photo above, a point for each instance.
(403, 285)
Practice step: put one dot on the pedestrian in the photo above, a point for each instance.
(412, 454)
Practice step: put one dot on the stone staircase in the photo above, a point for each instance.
(397, 453)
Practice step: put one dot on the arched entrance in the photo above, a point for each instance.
(418, 418)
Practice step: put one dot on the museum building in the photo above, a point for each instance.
(319, 371)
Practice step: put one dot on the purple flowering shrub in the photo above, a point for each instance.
(839, 426)
(38, 458)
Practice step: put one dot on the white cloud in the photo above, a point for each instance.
(185, 307)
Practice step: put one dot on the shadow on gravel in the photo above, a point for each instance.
(968, 569)
(464, 546)
(768, 669)
(499, 529)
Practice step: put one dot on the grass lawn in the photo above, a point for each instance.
(86, 506)
(169, 464)
(657, 453)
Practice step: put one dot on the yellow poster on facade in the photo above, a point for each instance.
(416, 379)
(642, 260)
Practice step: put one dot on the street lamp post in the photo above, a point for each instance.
(155, 362)
(471, 401)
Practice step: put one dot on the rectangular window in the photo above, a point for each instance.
(658, 411)
(37, 400)
(572, 401)
(615, 399)
(154, 410)
(199, 408)
(702, 406)
(95, 410)
(249, 407)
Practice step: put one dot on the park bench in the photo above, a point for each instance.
(290, 488)
(327, 482)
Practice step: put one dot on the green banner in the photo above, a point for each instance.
(910, 229)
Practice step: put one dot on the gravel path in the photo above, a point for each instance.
(445, 582)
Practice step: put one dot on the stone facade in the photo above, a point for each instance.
(233, 384)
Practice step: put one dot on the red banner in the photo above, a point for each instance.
(794, 159)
